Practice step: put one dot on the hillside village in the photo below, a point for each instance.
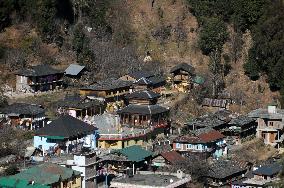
(148, 94)
(116, 131)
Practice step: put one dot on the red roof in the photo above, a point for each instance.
(211, 136)
(173, 157)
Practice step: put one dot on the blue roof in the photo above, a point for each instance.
(268, 170)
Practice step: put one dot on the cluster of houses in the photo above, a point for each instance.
(117, 133)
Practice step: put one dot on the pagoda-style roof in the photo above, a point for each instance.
(143, 109)
(39, 70)
(66, 126)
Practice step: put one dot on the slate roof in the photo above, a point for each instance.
(46, 174)
(134, 153)
(157, 80)
(142, 109)
(74, 69)
(108, 84)
(183, 66)
(211, 120)
(268, 170)
(204, 137)
(146, 94)
(22, 109)
(66, 126)
(39, 70)
(143, 81)
(263, 113)
(76, 101)
(241, 120)
(8, 182)
(222, 169)
(173, 157)
(139, 74)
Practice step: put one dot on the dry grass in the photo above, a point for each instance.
(254, 151)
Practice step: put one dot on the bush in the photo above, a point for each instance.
(11, 170)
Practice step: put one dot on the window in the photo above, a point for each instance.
(178, 145)
(188, 146)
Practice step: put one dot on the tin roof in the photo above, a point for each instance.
(74, 69)
(134, 153)
(173, 157)
(46, 174)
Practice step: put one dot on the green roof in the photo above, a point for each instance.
(198, 80)
(8, 182)
(134, 153)
(46, 174)
(55, 137)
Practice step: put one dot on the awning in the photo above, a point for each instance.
(55, 137)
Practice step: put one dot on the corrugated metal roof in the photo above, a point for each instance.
(46, 174)
(74, 69)
(134, 153)
(8, 182)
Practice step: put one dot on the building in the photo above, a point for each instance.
(143, 111)
(115, 136)
(124, 161)
(168, 159)
(143, 80)
(204, 144)
(240, 127)
(7, 182)
(262, 176)
(80, 107)
(152, 180)
(51, 175)
(25, 116)
(217, 103)
(182, 76)
(135, 76)
(85, 163)
(64, 135)
(269, 125)
(218, 121)
(75, 71)
(222, 173)
(112, 91)
(38, 78)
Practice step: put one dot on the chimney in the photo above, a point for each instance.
(179, 174)
(272, 109)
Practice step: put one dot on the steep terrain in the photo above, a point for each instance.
(165, 28)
